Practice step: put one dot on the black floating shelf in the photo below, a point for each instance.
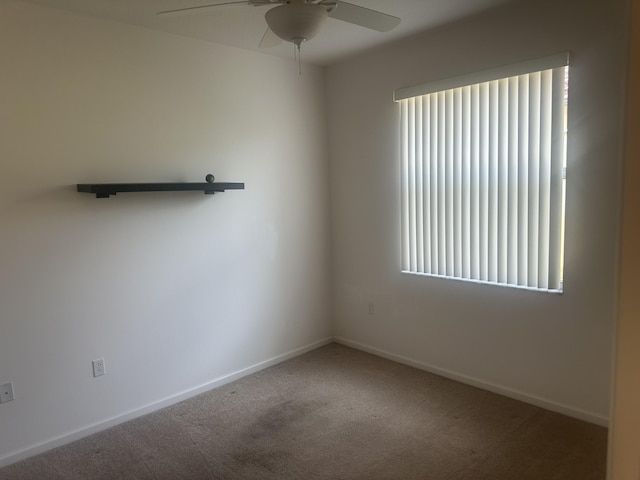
(104, 190)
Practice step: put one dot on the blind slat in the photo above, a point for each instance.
(433, 140)
(442, 187)
(404, 136)
(426, 172)
(466, 182)
(449, 175)
(475, 182)
(503, 181)
(545, 177)
(492, 187)
(411, 162)
(484, 182)
(558, 163)
(534, 178)
(457, 182)
(419, 176)
(512, 162)
(523, 180)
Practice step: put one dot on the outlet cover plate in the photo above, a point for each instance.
(98, 367)
(6, 392)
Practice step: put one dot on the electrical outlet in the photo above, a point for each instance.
(371, 308)
(6, 392)
(98, 367)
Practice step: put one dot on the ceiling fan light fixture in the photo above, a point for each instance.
(296, 22)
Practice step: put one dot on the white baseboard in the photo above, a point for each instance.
(507, 392)
(42, 447)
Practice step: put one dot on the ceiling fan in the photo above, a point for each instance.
(297, 21)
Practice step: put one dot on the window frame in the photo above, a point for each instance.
(553, 137)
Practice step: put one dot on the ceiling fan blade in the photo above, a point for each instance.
(199, 8)
(365, 17)
(269, 39)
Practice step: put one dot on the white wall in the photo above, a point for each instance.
(174, 290)
(553, 350)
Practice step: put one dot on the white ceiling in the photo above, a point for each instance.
(243, 26)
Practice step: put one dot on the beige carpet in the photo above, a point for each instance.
(335, 413)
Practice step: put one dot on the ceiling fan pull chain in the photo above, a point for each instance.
(296, 54)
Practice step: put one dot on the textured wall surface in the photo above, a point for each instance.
(174, 290)
(554, 350)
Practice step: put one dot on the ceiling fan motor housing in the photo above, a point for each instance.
(296, 22)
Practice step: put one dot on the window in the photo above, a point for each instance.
(483, 161)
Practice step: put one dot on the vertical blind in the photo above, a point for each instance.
(482, 176)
